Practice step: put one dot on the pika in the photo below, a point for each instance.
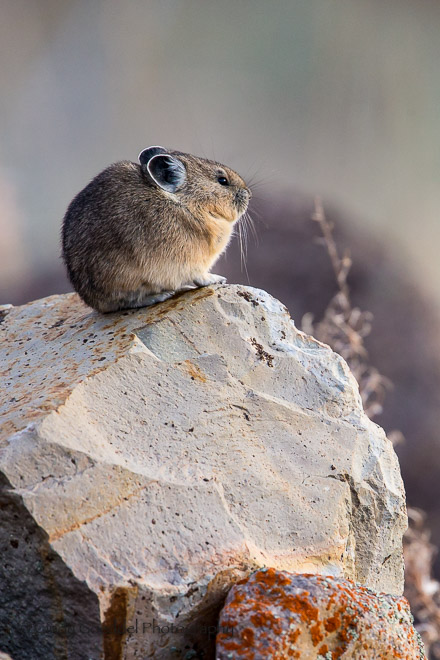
(138, 233)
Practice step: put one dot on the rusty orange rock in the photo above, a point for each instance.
(278, 615)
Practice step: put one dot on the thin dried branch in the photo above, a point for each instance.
(344, 327)
(422, 591)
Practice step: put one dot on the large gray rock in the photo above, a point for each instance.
(152, 458)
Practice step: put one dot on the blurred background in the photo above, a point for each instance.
(333, 98)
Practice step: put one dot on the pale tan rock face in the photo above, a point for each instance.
(152, 458)
(274, 614)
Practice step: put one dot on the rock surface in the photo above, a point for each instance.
(274, 614)
(152, 458)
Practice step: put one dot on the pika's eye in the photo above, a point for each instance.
(223, 181)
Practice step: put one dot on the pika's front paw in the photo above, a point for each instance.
(154, 298)
(209, 278)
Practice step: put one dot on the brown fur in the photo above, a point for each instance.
(125, 239)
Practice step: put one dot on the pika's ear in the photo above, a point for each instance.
(167, 171)
(148, 153)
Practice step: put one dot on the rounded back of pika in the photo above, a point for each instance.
(139, 231)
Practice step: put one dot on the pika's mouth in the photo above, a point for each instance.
(241, 199)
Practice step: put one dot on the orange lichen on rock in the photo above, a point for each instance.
(333, 623)
(264, 619)
(275, 614)
(271, 578)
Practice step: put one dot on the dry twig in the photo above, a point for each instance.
(345, 327)
(421, 590)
